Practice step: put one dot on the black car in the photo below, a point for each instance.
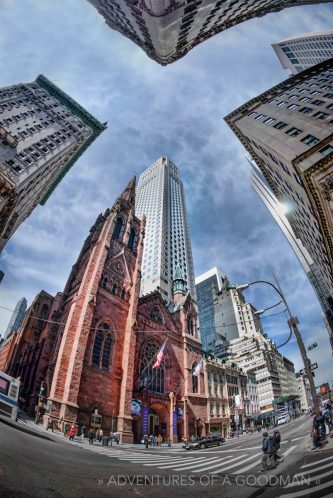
(204, 442)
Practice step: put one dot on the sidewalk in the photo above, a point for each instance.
(308, 447)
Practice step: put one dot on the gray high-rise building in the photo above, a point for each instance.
(17, 316)
(288, 131)
(167, 29)
(43, 132)
(160, 197)
(300, 52)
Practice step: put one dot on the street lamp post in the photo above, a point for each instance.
(292, 322)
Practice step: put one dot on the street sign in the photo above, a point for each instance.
(312, 346)
(312, 367)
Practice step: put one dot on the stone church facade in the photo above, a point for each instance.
(98, 366)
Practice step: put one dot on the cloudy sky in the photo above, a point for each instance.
(152, 111)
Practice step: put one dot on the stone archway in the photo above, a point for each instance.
(159, 420)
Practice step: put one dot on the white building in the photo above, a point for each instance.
(278, 210)
(160, 197)
(167, 29)
(224, 314)
(43, 132)
(300, 52)
(304, 392)
(288, 131)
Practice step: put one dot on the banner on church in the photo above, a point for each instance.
(145, 419)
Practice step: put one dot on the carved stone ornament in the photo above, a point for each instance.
(118, 268)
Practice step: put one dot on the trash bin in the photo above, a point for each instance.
(105, 441)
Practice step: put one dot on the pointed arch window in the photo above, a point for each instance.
(114, 289)
(151, 378)
(190, 326)
(102, 347)
(105, 283)
(123, 294)
(156, 315)
(132, 239)
(118, 228)
(194, 379)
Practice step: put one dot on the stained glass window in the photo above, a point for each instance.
(151, 378)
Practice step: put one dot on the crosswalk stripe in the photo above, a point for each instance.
(203, 466)
(245, 469)
(316, 462)
(192, 465)
(308, 472)
(172, 465)
(289, 450)
(223, 469)
(293, 484)
(297, 438)
(167, 463)
(303, 493)
(217, 464)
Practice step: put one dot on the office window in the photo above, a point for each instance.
(327, 150)
(310, 140)
(320, 115)
(293, 132)
(318, 102)
(306, 110)
(292, 106)
(269, 121)
(280, 125)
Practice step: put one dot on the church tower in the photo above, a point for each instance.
(94, 358)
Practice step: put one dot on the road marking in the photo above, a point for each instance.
(316, 462)
(308, 472)
(315, 478)
(210, 466)
(170, 462)
(306, 492)
(289, 450)
(202, 464)
(297, 438)
(249, 467)
(223, 469)
(193, 463)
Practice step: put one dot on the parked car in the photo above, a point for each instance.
(204, 442)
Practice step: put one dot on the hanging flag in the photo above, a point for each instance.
(197, 369)
(159, 356)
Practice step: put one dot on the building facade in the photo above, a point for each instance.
(304, 392)
(300, 52)
(288, 132)
(17, 316)
(43, 131)
(166, 29)
(277, 210)
(224, 314)
(161, 199)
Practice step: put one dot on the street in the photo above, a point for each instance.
(55, 467)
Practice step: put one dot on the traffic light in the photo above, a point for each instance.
(324, 388)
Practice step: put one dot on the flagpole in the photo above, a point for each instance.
(185, 379)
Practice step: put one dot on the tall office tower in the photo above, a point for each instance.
(43, 132)
(17, 316)
(167, 29)
(223, 313)
(161, 198)
(300, 52)
(277, 210)
(288, 131)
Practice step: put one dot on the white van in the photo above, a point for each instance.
(282, 419)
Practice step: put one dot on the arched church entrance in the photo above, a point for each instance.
(158, 420)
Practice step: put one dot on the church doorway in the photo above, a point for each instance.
(158, 420)
(153, 423)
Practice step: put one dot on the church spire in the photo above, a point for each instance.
(129, 192)
(179, 285)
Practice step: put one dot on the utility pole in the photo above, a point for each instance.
(293, 322)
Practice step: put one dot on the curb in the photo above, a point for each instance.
(23, 429)
(309, 448)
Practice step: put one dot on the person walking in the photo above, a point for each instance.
(277, 438)
(100, 435)
(159, 440)
(91, 436)
(269, 449)
(169, 443)
(49, 425)
(318, 431)
(146, 440)
(327, 414)
(83, 432)
(72, 432)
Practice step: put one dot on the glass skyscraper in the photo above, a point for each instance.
(17, 316)
(160, 197)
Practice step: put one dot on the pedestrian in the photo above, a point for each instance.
(100, 435)
(49, 425)
(111, 437)
(277, 438)
(146, 440)
(66, 427)
(318, 431)
(91, 436)
(327, 414)
(154, 440)
(72, 432)
(117, 437)
(159, 440)
(269, 449)
(169, 443)
(83, 432)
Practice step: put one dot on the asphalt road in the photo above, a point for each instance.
(55, 467)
